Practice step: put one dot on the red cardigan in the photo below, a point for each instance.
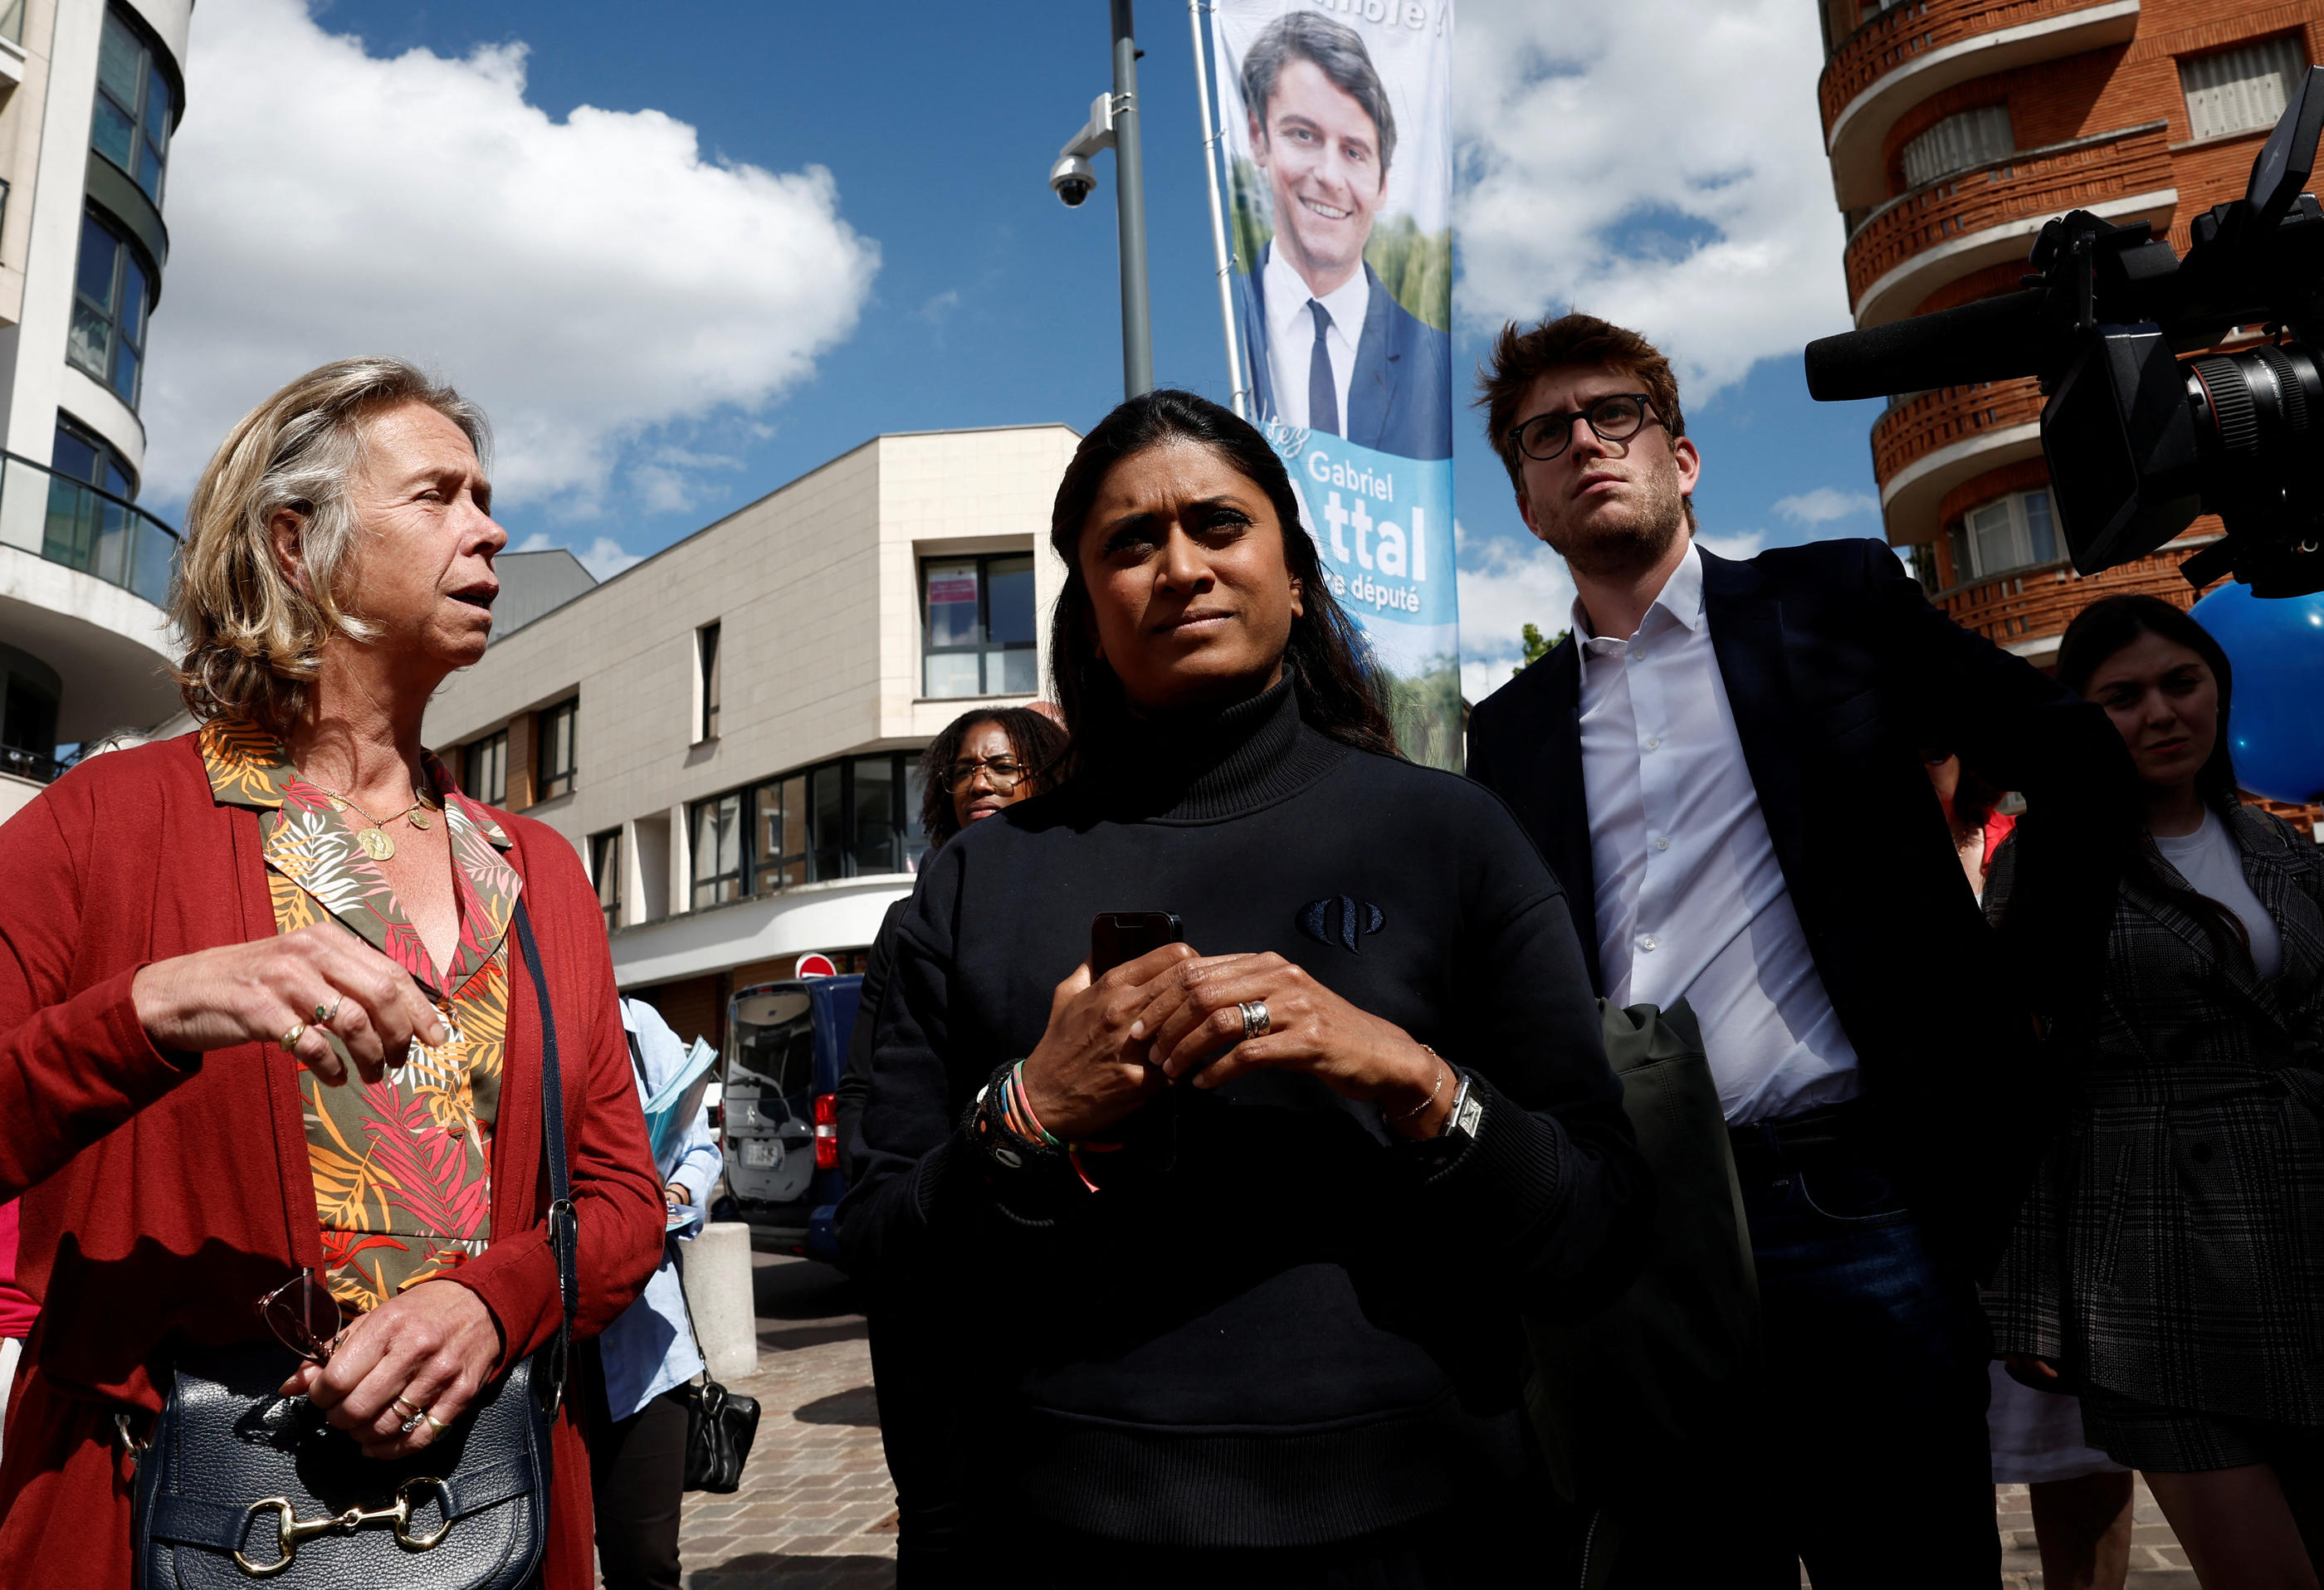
(164, 1192)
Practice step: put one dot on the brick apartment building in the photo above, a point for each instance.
(1955, 128)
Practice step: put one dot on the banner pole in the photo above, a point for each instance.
(1219, 250)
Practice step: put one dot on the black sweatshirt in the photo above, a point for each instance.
(1278, 1324)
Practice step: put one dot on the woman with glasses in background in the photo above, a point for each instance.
(266, 1061)
(986, 761)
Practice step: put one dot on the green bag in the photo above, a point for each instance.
(1630, 1397)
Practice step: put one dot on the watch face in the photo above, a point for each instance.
(1468, 1111)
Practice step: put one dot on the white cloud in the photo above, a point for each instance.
(588, 280)
(604, 559)
(1658, 164)
(607, 557)
(1505, 583)
(1742, 544)
(1825, 504)
(939, 307)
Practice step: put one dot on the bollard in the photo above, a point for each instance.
(718, 1290)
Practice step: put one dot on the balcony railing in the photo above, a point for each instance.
(2042, 598)
(32, 765)
(2035, 182)
(1903, 33)
(1926, 422)
(85, 528)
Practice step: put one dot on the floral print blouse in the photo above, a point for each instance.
(403, 1167)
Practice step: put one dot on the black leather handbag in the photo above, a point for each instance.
(719, 1425)
(238, 1483)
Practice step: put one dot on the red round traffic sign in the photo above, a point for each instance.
(816, 966)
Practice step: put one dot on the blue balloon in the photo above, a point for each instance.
(2276, 644)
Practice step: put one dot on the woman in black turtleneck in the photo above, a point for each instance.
(1225, 1309)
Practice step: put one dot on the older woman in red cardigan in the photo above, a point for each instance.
(258, 1019)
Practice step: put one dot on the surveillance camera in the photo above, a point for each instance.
(1073, 178)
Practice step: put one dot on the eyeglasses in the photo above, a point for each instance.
(304, 1317)
(1003, 774)
(1614, 417)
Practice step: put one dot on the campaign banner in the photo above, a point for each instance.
(1333, 117)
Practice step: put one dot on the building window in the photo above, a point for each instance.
(2010, 532)
(718, 849)
(1923, 556)
(553, 761)
(778, 834)
(705, 661)
(1972, 138)
(131, 125)
(979, 617)
(484, 773)
(111, 296)
(605, 867)
(83, 456)
(853, 818)
(2240, 90)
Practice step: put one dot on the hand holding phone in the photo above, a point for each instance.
(1089, 1070)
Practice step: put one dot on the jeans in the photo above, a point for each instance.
(1867, 1456)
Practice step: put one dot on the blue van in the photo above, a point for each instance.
(785, 1046)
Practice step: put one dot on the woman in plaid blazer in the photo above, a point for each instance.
(2169, 1262)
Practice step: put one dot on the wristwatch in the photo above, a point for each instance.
(1461, 1124)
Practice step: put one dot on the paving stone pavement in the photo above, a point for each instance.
(816, 1511)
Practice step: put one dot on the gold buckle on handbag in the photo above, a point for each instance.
(290, 1528)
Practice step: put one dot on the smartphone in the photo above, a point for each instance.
(1118, 937)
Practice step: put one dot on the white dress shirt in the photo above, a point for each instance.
(1291, 335)
(1692, 901)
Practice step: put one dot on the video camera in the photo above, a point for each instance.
(2139, 442)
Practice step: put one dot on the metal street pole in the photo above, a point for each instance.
(1130, 205)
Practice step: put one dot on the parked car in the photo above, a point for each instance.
(785, 1045)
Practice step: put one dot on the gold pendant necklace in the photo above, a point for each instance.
(375, 841)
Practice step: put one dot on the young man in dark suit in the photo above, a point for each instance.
(1722, 763)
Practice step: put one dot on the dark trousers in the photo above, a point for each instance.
(1868, 1458)
(637, 1474)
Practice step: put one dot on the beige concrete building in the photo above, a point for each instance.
(727, 732)
(90, 92)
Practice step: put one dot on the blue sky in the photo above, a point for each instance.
(955, 290)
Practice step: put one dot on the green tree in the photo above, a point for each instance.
(1534, 648)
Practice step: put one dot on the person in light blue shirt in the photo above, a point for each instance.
(637, 1463)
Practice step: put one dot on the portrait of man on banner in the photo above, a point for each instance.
(1331, 349)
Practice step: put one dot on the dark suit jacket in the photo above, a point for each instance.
(1399, 399)
(1838, 672)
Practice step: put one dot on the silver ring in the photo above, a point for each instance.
(1255, 1019)
(323, 1018)
(414, 1422)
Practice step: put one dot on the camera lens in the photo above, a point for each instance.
(2256, 402)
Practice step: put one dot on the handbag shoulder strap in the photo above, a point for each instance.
(677, 1263)
(564, 1225)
